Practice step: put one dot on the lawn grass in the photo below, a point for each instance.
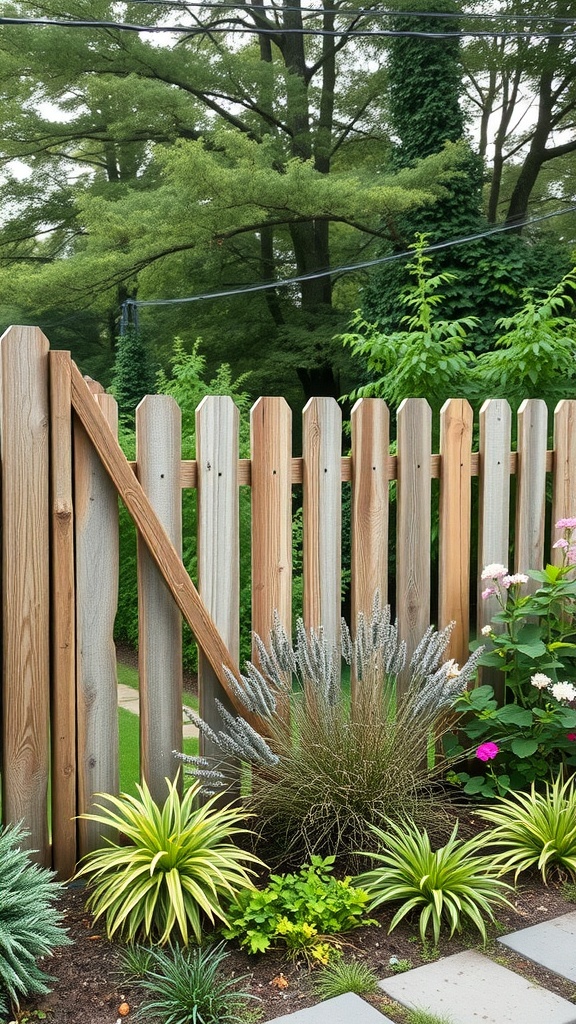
(129, 733)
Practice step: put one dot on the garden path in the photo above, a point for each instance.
(469, 987)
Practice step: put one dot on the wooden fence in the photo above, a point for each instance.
(62, 470)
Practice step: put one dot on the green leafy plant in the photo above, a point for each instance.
(301, 911)
(451, 885)
(30, 924)
(173, 867)
(535, 829)
(333, 760)
(187, 987)
(532, 643)
(399, 966)
(341, 976)
(420, 1016)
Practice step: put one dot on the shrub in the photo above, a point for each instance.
(300, 911)
(187, 988)
(535, 829)
(341, 976)
(173, 867)
(30, 926)
(332, 764)
(531, 642)
(450, 885)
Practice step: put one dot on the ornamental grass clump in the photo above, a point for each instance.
(535, 830)
(450, 886)
(174, 868)
(30, 924)
(187, 987)
(333, 763)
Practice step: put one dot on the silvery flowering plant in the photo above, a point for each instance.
(531, 642)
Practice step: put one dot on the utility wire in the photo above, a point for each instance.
(287, 281)
(193, 30)
(351, 12)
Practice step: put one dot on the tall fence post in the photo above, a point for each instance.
(97, 598)
(217, 439)
(414, 520)
(454, 524)
(25, 584)
(158, 457)
(63, 710)
(321, 453)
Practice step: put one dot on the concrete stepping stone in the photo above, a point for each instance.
(467, 988)
(346, 1009)
(552, 944)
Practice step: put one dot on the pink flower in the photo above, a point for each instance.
(561, 543)
(494, 571)
(488, 592)
(486, 751)
(513, 580)
(571, 556)
(571, 736)
(566, 524)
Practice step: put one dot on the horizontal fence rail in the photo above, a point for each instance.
(414, 525)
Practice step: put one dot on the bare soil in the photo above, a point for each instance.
(89, 987)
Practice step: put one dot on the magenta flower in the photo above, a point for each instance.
(486, 751)
(571, 736)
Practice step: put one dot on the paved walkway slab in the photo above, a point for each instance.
(552, 944)
(468, 988)
(347, 1009)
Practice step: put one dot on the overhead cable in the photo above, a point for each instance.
(330, 272)
(194, 30)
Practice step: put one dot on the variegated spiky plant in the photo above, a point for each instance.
(330, 764)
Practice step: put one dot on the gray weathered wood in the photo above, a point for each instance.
(97, 564)
(531, 487)
(564, 479)
(414, 520)
(217, 436)
(158, 456)
(322, 515)
(25, 583)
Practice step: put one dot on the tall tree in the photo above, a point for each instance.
(215, 157)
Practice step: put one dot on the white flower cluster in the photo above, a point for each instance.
(564, 691)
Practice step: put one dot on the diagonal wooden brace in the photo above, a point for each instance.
(157, 541)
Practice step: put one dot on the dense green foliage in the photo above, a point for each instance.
(535, 830)
(453, 885)
(302, 911)
(188, 986)
(174, 868)
(30, 924)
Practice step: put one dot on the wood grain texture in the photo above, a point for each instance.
(24, 420)
(63, 627)
(271, 462)
(454, 513)
(414, 520)
(564, 479)
(154, 535)
(217, 440)
(493, 515)
(97, 568)
(322, 515)
(158, 453)
(531, 487)
(370, 421)
(494, 497)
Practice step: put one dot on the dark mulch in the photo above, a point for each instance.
(89, 987)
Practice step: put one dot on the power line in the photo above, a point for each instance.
(364, 265)
(351, 12)
(193, 30)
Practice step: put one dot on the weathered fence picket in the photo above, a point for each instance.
(60, 553)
